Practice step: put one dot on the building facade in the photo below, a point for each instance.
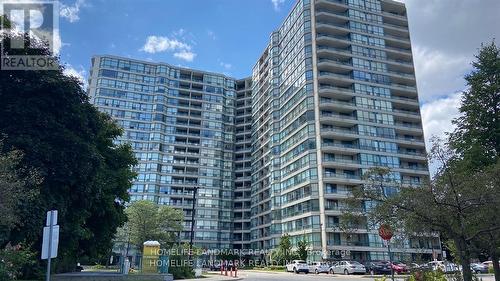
(332, 95)
(181, 125)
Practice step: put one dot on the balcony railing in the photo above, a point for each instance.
(330, 114)
(349, 90)
(362, 147)
(342, 176)
(354, 132)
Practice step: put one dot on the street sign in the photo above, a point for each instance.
(52, 214)
(385, 232)
(50, 240)
(55, 242)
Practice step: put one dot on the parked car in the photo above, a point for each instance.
(298, 266)
(319, 267)
(489, 263)
(347, 267)
(399, 267)
(414, 266)
(451, 267)
(444, 266)
(479, 268)
(378, 267)
(436, 265)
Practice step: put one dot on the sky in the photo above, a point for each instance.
(228, 36)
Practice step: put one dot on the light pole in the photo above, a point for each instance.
(192, 224)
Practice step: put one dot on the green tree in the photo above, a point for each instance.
(47, 116)
(14, 188)
(487, 243)
(284, 252)
(477, 134)
(149, 221)
(302, 249)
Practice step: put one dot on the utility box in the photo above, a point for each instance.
(151, 257)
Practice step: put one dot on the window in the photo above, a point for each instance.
(367, 40)
(364, 16)
(372, 90)
(368, 52)
(366, 28)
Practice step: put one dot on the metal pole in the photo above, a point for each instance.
(49, 257)
(192, 225)
(126, 252)
(390, 258)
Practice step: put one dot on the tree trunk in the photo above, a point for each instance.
(463, 251)
(467, 273)
(496, 266)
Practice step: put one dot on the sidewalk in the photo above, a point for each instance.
(216, 277)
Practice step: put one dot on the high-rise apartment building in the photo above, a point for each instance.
(181, 126)
(332, 95)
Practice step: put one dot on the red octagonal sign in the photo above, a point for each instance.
(385, 232)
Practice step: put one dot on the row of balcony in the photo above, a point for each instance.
(324, 100)
(415, 139)
(351, 117)
(361, 147)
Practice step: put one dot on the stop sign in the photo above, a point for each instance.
(385, 232)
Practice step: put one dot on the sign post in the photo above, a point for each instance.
(50, 240)
(385, 232)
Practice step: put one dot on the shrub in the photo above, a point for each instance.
(179, 265)
(437, 275)
(98, 266)
(277, 267)
(14, 260)
(182, 272)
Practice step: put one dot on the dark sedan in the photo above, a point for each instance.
(378, 267)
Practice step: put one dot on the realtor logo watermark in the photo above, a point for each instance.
(37, 19)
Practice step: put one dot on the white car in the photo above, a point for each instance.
(444, 266)
(489, 264)
(319, 267)
(298, 266)
(347, 267)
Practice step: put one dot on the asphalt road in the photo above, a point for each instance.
(276, 276)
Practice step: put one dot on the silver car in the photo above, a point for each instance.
(479, 268)
(348, 267)
(319, 267)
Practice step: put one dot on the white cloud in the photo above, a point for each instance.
(437, 116)
(58, 43)
(71, 12)
(277, 4)
(185, 55)
(444, 46)
(226, 65)
(79, 74)
(157, 44)
(439, 73)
